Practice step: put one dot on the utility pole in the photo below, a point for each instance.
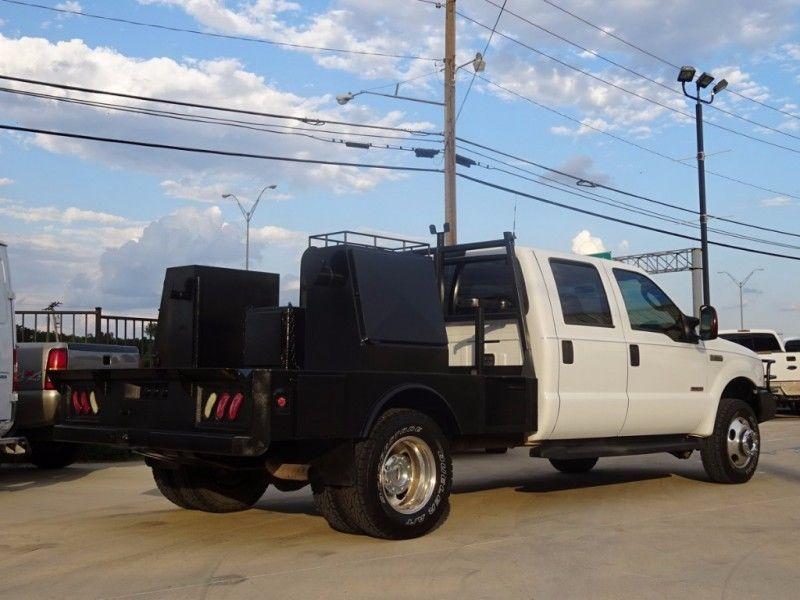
(450, 215)
(740, 285)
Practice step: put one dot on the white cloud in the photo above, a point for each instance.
(6, 181)
(586, 243)
(582, 167)
(775, 201)
(72, 214)
(70, 5)
(222, 82)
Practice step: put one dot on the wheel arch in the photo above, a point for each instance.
(417, 397)
(744, 389)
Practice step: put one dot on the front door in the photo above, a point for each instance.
(668, 372)
(592, 374)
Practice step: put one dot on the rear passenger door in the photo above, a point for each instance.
(592, 378)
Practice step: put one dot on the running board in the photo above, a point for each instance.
(618, 446)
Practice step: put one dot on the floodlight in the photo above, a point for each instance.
(686, 74)
(478, 64)
(704, 80)
(721, 85)
(345, 98)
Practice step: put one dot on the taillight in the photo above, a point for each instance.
(76, 402)
(15, 379)
(222, 405)
(236, 404)
(85, 408)
(56, 361)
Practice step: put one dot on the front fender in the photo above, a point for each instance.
(734, 367)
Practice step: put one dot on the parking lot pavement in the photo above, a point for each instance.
(639, 527)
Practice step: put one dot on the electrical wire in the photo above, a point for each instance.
(660, 59)
(639, 74)
(260, 127)
(307, 120)
(626, 90)
(619, 220)
(485, 49)
(606, 200)
(632, 143)
(242, 38)
(192, 149)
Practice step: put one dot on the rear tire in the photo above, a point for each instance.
(573, 465)
(210, 489)
(730, 454)
(403, 475)
(325, 502)
(53, 455)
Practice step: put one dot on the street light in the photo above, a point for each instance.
(248, 214)
(686, 75)
(478, 65)
(741, 285)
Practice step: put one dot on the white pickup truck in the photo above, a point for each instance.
(399, 355)
(784, 368)
(9, 446)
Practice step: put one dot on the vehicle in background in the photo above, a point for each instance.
(784, 372)
(8, 397)
(400, 355)
(39, 401)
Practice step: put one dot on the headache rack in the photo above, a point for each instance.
(367, 240)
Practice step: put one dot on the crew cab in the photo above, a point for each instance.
(781, 361)
(38, 400)
(401, 354)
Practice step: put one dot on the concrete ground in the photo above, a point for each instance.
(639, 527)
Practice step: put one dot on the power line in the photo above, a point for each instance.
(626, 90)
(242, 38)
(485, 48)
(187, 117)
(606, 200)
(618, 220)
(233, 154)
(632, 143)
(307, 120)
(639, 74)
(578, 179)
(611, 34)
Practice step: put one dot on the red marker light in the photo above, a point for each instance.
(281, 402)
(85, 408)
(236, 404)
(76, 403)
(222, 405)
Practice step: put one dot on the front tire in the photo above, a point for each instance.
(731, 454)
(573, 465)
(403, 476)
(210, 489)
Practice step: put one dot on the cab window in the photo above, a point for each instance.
(581, 293)
(648, 307)
(490, 280)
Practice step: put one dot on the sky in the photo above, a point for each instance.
(93, 224)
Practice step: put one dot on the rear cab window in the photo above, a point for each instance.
(581, 293)
(489, 279)
(762, 343)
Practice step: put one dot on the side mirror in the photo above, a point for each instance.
(709, 323)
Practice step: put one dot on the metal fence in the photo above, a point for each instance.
(87, 326)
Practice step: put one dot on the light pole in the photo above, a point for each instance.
(248, 214)
(686, 75)
(741, 285)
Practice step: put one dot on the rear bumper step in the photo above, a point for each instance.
(230, 445)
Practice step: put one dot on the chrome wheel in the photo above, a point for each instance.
(742, 442)
(408, 475)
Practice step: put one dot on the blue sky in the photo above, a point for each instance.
(91, 224)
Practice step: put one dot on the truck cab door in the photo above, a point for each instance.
(668, 382)
(592, 377)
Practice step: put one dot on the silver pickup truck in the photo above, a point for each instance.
(39, 400)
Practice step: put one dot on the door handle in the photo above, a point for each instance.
(567, 352)
(634, 350)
